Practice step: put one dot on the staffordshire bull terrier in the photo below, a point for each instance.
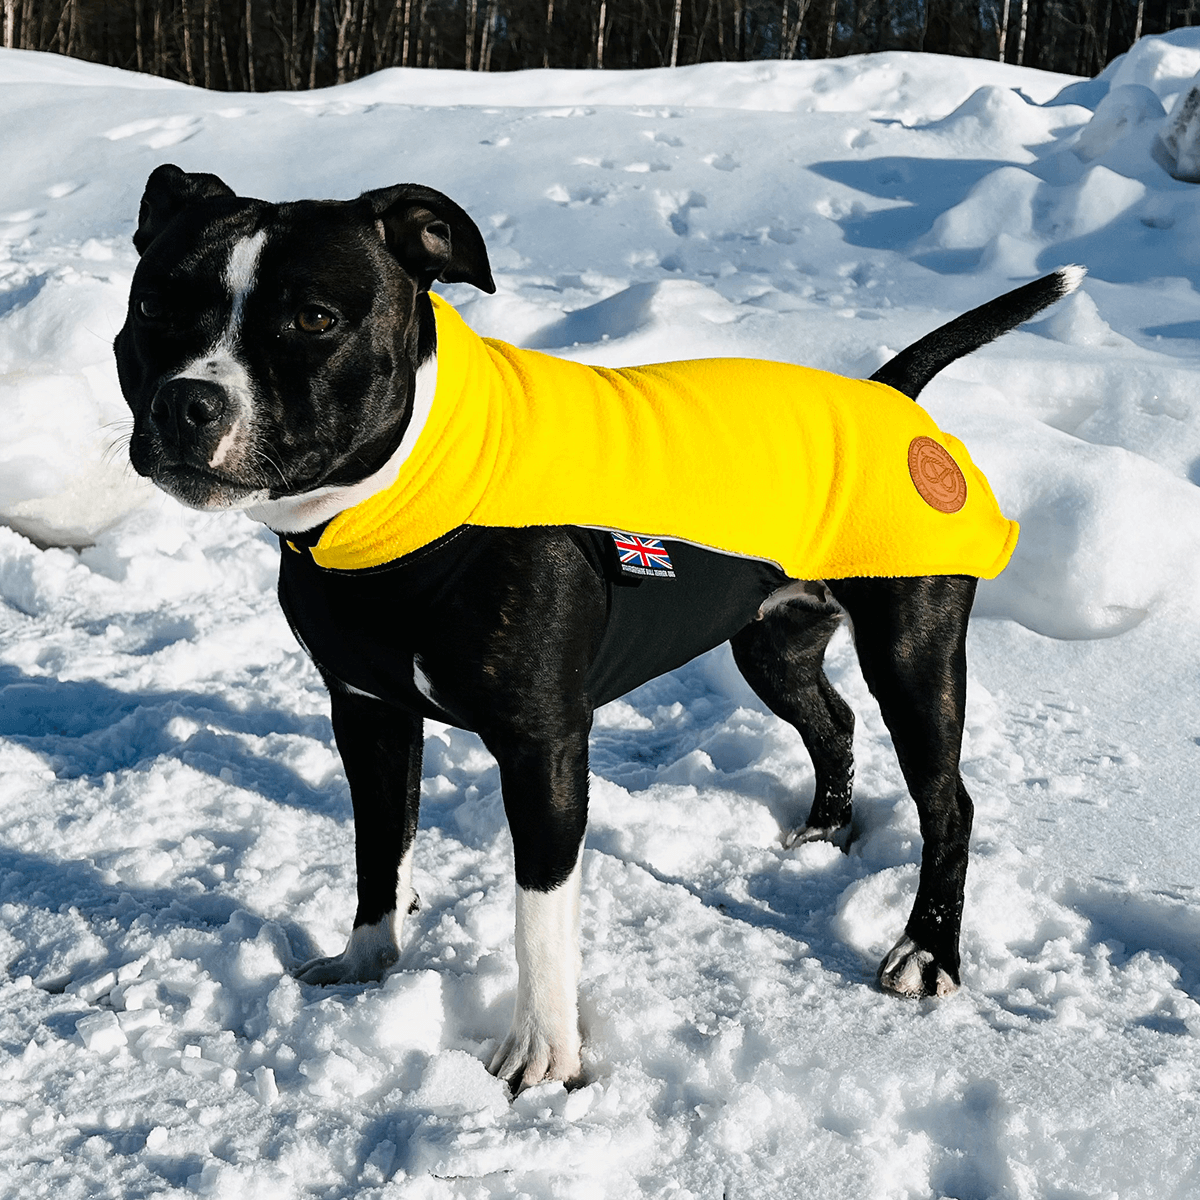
(505, 541)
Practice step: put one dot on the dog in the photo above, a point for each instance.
(289, 359)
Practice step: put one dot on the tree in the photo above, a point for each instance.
(269, 44)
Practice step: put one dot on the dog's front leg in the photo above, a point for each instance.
(381, 749)
(544, 781)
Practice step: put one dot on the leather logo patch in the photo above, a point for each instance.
(936, 476)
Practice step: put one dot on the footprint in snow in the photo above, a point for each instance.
(675, 206)
(163, 131)
(722, 162)
(579, 195)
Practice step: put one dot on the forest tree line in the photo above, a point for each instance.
(265, 45)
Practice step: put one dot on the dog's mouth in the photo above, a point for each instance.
(204, 488)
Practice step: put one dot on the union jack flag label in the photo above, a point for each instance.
(643, 556)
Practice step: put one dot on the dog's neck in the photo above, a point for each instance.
(295, 514)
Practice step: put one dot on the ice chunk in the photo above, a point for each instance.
(100, 1032)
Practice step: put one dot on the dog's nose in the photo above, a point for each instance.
(184, 409)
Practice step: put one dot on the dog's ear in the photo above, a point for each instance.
(168, 192)
(431, 236)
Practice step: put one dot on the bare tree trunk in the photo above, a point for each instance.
(1102, 40)
(676, 19)
(293, 63)
(316, 44)
(159, 50)
(546, 37)
(602, 18)
(407, 32)
(339, 55)
(485, 39)
(385, 44)
(206, 43)
(10, 20)
(1141, 16)
(188, 73)
(250, 46)
(829, 28)
(1022, 29)
(472, 13)
(797, 29)
(230, 85)
(783, 26)
(33, 21)
(708, 12)
(139, 48)
(1002, 29)
(365, 21)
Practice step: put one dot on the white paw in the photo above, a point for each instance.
(530, 1055)
(368, 954)
(906, 970)
(544, 1040)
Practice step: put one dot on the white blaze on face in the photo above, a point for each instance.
(220, 364)
(240, 276)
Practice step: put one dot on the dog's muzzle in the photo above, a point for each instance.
(191, 443)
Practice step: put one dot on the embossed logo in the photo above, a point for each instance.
(936, 476)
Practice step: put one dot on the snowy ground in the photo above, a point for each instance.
(174, 825)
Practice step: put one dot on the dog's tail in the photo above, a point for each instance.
(915, 366)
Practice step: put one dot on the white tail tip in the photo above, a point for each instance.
(1070, 278)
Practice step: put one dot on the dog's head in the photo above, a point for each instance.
(271, 350)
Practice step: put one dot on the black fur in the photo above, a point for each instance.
(917, 364)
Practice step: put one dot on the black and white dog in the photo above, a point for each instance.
(274, 356)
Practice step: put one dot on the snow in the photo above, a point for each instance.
(175, 831)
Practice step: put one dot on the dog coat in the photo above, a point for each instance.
(825, 476)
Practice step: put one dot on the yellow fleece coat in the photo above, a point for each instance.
(826, 476)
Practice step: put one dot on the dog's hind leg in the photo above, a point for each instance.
(911, 640)
(781, 657)
(381, 749)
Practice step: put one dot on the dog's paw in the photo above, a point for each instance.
(910, 971)
(371, 950)
(813, 833)
(527, 1057)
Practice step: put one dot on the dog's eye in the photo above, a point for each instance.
(151, 308)
(314, 319)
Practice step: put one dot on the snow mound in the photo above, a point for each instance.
(1165, 64)
(63, 481)
(1117, 116)
(1084, 566)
